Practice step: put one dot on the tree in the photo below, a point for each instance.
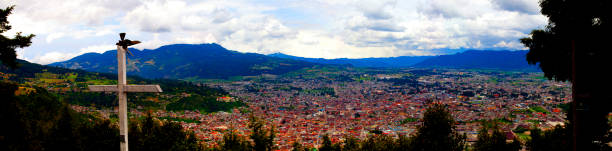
(379, 143)
(327, 145)
(574, 46)
(297, 146)
(263, 138)
(496, 141)
(557, 138)
(8, 55)
(234, 142)
(351, 144)
(39, 121)
(151, 134)
(437, 132)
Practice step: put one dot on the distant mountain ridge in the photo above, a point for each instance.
(481, 59)
(388, 62)
(182, 61)
(200, 61)
(466, 59)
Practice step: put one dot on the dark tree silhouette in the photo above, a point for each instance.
(234, 142)
(263, 138)
(298, 147)
(380, 143)
(39, 121)
(437, 133)
(351, 144)
(554, 139)
(327, 145)
(149, 134)
(496, 141)
(8, 55)
(574, 46)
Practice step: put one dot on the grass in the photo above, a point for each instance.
(539, 109)
(408, 120)
(523, 136)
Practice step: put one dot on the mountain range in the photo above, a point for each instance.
(199, 61)
(480, 59)
(390, 62)
(183, 61)
(468, 59)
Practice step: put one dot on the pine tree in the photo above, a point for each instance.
(8, 55)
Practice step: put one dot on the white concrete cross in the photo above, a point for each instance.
(122, 88)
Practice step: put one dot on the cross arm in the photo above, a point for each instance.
(127, 88)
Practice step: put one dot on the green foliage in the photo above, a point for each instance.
(408, 120)
(496, 141)
(574, 46)
(234, 142)
(520, 129)
(86, 99)
(327, 145)
(438, 132)
(320, 91)
(8, 55)
(298, 147)
(38, 121)
(203, 104)
(558, 138)
(379, 143)
(539, 109)
(149, 134)
(564, 106)
(77, 80)
(263, 139)
(351, 144)
(571, 24)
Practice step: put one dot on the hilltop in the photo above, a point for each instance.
(186, 61)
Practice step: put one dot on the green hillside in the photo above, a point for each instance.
(70, 85)
(185, 61)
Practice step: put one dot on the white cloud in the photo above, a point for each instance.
(57, 56)
(310, 28)
(51, 57)
(54, 36)
(511, 44)
(523, 6)
(97, 49)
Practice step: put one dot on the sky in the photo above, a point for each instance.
(307, 28)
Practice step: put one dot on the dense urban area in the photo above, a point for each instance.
(355, 103)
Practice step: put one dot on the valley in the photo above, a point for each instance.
(336, 100)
